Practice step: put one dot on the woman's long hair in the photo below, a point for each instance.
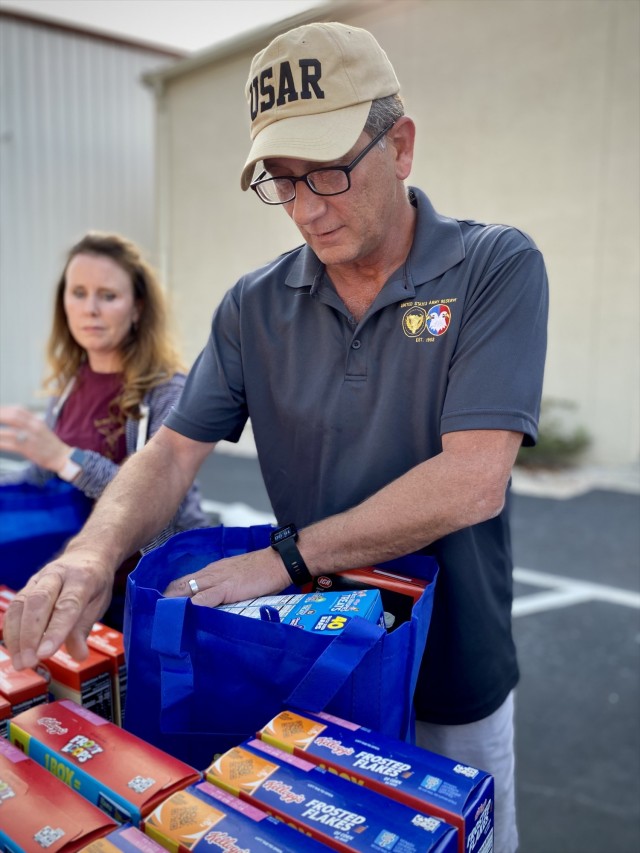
(149, 355)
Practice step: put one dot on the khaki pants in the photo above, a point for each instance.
(487, 745)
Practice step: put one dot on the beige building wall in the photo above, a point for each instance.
(527, 113)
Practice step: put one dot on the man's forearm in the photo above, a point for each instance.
(135, 506)
(462, 486)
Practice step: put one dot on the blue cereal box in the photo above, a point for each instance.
(117, 771)
(125, 839)
(320, 612)
(344, 816)
(455, 792)
(205, 817)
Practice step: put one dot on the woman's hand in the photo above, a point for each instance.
(26, 434)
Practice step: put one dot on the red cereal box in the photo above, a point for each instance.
(21, 688)
(87, 682)
(39, 812)
(117, 771)
(110, 643)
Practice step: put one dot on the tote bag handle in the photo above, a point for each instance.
(315, 690)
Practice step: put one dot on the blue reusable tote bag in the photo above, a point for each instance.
(35, 523)
(201, 680)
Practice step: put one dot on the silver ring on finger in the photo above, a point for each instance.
(21, 436)
(193, 586)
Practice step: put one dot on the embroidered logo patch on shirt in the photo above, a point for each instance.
(438, 319)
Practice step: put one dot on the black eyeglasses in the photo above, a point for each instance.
(329, 180)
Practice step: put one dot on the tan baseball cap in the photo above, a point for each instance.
(310, 91)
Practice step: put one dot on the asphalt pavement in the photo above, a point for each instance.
(577, 628)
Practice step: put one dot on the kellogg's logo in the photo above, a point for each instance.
(52, 726)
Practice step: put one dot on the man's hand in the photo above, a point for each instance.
(59, 604)
(234, 579)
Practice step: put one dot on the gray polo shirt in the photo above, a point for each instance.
(455, 340)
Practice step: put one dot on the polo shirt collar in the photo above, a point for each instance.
(437, 247)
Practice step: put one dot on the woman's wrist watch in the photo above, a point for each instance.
(72, 466)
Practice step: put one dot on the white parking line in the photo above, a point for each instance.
(562, 591)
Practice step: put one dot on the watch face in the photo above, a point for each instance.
(284, 533)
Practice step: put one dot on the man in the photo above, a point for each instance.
(391, 366)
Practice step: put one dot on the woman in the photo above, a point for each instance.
(114, 375)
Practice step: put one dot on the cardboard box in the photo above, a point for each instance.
(320, 612)
(38, 812)
(5, 713)
(110, 767)
(110, 643)
(6, 597)
(335, 811)
(204, 817)
(124, 839)
(431, 783)
(87, 682)
(22, 688)
(399, 593)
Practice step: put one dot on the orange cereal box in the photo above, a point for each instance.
(124, 839)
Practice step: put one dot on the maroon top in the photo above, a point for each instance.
(86, 420)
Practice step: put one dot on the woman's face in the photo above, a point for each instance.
(100, 308)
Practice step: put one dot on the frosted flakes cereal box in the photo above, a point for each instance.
(204, 817)
(455, 792)
(110, 767)
(124, 839)
(335, 811)
(38, 812)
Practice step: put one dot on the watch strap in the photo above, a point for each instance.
(293, 561)
(71, 468)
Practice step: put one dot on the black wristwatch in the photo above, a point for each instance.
(283, 540)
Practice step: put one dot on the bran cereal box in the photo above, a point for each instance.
(38, 812)
(343, 815)
(431, 783)
(110, 767)
(205, 817)
(87, 682)
(319, 612)
(124, 839)
(21, 688)
(110, 643)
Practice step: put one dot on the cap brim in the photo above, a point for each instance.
(321, 137)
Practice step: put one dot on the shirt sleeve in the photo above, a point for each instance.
(496, 373)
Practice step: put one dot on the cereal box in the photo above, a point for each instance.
(110, 643)
(21, 688)
(205, 817)
(337, 812)
(124, 839)
(6, 597)
(87, 682)
(110, 767)
(5, 713)
(320, 612)
(431, 783)
(39, 812)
